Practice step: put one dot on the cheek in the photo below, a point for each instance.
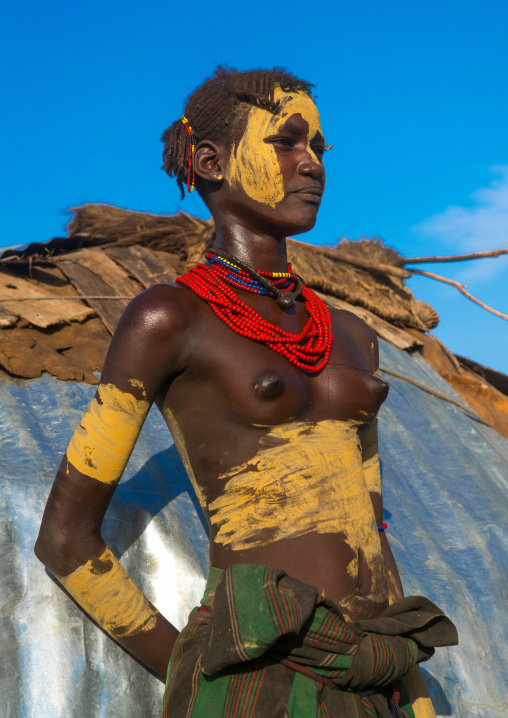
(255, 168)
(261, 176)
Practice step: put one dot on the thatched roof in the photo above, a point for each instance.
(110, 252)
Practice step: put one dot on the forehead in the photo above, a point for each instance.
(291, 103)
(297, 103)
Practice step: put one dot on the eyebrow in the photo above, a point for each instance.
(289, 126)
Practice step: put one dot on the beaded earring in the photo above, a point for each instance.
(191, 177)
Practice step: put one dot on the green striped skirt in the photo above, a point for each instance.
(265, 645)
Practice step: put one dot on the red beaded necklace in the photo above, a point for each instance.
(309, 350)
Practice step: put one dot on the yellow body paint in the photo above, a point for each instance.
(308, 477)
(105, 438)
(394, 592)
(175, 432)
(418, 694)
(253, 163)
(104, 590)
(138, 384)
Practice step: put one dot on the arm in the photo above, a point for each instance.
(147, 349)
(366, 341)
(372, 473)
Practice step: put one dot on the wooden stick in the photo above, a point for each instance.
(434, 392)
(461, 288)
(456, 258)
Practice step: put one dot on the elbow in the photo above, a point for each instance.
(63, 551)
(39, 549)
(52, 548)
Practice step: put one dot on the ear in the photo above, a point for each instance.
(209, 161)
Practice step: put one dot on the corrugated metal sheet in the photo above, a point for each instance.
(445, 479)
(445, 487)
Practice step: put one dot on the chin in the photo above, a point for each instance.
(303, 222)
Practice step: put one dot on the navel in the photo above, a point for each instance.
(268, 385)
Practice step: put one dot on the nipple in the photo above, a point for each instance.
(269, 385)
(381, 388)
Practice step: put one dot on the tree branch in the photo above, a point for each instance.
(456, 258)
(461, 288)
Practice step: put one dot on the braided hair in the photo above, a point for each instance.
(215, 110)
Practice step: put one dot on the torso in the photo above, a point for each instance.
(274, 452)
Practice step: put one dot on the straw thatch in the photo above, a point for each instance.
(179, 234)
(188, 238)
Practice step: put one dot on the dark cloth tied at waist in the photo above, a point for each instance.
(265, 644)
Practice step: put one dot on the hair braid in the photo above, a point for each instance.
(214, 108)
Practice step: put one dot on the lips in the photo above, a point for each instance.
(312, 191)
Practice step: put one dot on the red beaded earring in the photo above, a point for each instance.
(190, 172)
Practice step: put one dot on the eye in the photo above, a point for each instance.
(285, 142)
(318, 150)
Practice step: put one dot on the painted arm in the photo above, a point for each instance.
(138, 365)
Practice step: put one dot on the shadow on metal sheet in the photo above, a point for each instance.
(161, 482)
(441, 704)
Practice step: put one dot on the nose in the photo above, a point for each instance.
(310, 165)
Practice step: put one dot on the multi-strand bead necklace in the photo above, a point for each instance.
(214, 281)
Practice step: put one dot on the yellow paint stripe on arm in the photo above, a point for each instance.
(104, 590)
(418, 694)
(104, 440)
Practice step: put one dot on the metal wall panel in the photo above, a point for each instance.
(445, 485)
(445, 480)
(55, 662)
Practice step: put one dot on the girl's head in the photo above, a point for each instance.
(260, 131)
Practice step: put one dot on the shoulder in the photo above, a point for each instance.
(151, 341)
(160, 310)
(364, 338)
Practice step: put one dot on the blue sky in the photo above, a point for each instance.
(412, 96)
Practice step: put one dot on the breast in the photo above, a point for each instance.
(372, 392)
(355, 392)
(257, 387)
(268, 385)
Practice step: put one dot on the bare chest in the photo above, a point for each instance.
(251, 384)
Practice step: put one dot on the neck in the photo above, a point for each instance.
(260, 250)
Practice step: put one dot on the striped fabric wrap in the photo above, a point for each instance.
(265, 645)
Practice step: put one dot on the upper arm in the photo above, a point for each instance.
(146, 350)
(366, 342)
(149, 345)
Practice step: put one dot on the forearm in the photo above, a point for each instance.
(395, 590)
(394, 584)
(70, 542)
(104, 590)
(372, 473)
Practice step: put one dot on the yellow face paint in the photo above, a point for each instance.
(104, 590)
(105, 438)
(253, 163)
(308, 478)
